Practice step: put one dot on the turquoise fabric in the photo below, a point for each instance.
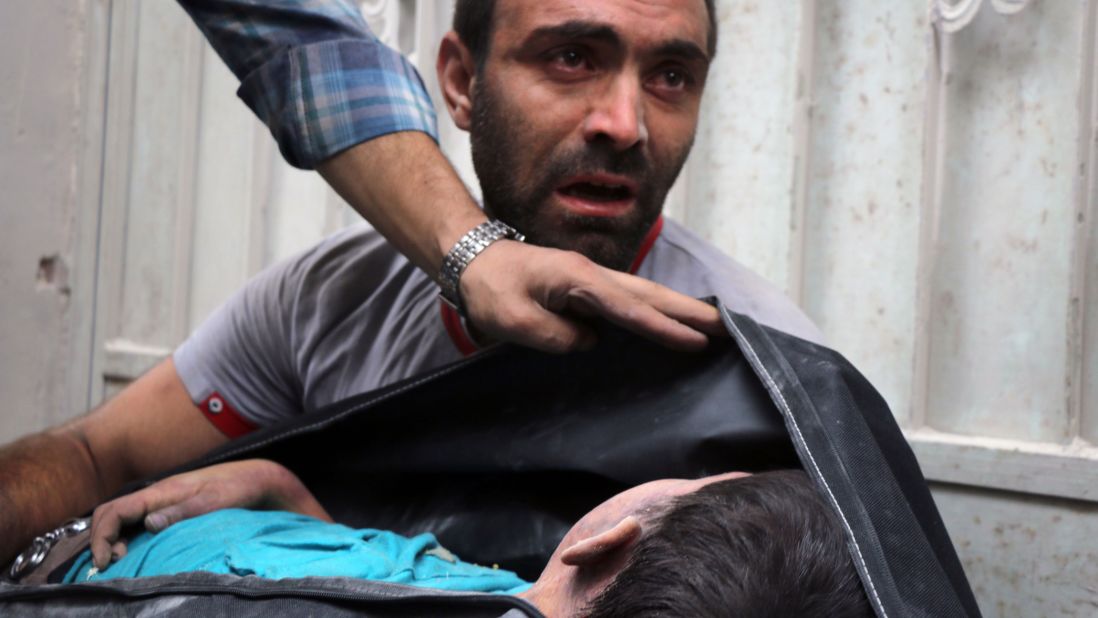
(276, 544)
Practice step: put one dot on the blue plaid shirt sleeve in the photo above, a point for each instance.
(314, 73)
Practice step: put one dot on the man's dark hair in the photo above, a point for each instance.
(763, 545)
(474, 20)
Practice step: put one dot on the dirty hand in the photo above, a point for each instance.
(254, 483)
(534, 295)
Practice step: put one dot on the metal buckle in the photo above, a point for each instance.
(40, 547)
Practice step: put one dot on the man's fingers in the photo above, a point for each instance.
(646, 308)
(109, 519)
(101, 552)
(537, 305)
(115, 551)
(682, 308)
(107, 522)
(157, 521)
(196, 505)
(628, 312)
(162, 518)
(549, 332)
(599, 292)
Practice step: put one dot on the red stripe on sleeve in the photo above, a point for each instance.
(225, 417)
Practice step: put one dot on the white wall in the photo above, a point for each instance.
(52, 86)
(918, 175)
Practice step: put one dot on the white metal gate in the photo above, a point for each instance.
(921, 178)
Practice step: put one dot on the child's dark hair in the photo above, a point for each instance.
(763, 545)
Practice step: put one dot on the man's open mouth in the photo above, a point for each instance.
(598, 192)
(599, 195)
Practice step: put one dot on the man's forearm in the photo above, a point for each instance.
(150, 427)
(45, 479)
(403, 185)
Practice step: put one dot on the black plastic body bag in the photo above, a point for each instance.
(500, 453)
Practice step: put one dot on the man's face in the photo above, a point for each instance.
(582, 116)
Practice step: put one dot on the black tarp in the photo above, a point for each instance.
(500, 453)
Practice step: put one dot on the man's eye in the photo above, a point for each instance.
(672, 79)
(570, 59)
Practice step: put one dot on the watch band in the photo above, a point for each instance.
(468, 247)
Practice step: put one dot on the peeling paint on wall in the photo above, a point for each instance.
(53, 275)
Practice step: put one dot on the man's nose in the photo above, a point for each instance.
(617, 116)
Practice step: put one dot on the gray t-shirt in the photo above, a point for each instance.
(352, 314)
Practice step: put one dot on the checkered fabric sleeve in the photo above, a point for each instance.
(314, 73)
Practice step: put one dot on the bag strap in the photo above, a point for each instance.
(50, 552)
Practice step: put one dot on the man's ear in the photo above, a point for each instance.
(595, 549)
(456, 76)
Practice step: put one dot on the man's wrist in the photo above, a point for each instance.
(278, 487)
(449, 230)
(464, 251)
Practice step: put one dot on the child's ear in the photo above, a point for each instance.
(595, 549)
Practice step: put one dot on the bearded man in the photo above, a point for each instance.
(581, 115)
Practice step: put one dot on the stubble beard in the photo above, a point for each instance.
(496, 136)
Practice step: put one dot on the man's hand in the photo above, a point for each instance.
(254, 483)
(533, 296)
(407, 190)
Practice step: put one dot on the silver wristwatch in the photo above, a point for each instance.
(471, 244)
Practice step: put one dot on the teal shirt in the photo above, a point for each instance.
(276, 544)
